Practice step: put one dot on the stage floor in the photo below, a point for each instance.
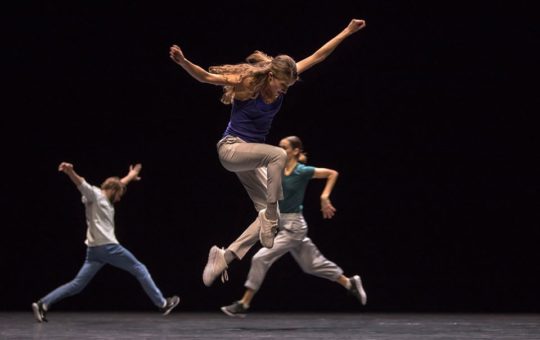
(183, 325)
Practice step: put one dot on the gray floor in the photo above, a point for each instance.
(181, 325)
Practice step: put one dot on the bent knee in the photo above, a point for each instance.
(259, 258)
(309, 269)
(280, 157)
(282, 154)
(140, 270)
(77, 286)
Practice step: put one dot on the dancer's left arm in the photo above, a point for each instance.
(133, 174)
(354, 26)
(331, 176)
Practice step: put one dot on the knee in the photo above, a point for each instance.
(77, 286)
(281, 157)
(140, 270)
(308, 269)
(258, 259)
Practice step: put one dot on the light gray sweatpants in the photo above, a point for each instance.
(259, 167)
(291, 239)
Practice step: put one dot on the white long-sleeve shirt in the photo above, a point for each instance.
(99, 216)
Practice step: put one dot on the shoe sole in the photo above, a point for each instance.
(37, 314)
(270, 244)
(361, 291)
(171, 308)
(212, 255)
(237, 315)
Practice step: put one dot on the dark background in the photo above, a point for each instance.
(429, 114)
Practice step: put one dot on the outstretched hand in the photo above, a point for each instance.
(134, 171)
(65, 167)
(356, 25)
(176, 54)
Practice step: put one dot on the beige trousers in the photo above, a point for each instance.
(259, 168)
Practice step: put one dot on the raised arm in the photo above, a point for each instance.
(199, 73)
(354, 26)
(133, 174)
(67, 168)
(331, 176)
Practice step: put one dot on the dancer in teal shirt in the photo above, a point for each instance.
(292, 237)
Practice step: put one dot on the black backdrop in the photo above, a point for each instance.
(428, 114)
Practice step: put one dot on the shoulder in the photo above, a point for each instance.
(85, 186)
(303, 169)
(90, 192)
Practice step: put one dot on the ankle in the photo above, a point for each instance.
(348, 284)
(271, 212)
(229, 256)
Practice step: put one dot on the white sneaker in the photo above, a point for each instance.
(357, 290)
(268, 230)
(215, 266)
(40, 311)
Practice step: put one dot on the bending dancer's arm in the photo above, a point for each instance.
(201, 74)
(331, 176)
(354, 26)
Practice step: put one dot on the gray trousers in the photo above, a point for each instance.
(259, 168)
(291, 239)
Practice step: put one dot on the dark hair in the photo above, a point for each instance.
(296, 143)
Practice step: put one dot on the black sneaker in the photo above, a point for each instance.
(172, 302)
(40, 311)
(237, 309)
(357, 290)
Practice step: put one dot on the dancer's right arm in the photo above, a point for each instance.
(67, 168)
(201, 74)
(133, 174)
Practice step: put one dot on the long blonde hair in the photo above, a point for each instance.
(257, 66)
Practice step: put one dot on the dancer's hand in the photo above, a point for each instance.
(176, 54)
(65, 167)
(327, 208)
(356, 25)
(134, 171)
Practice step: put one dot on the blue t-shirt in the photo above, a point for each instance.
(294, 188)
(251, 119)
